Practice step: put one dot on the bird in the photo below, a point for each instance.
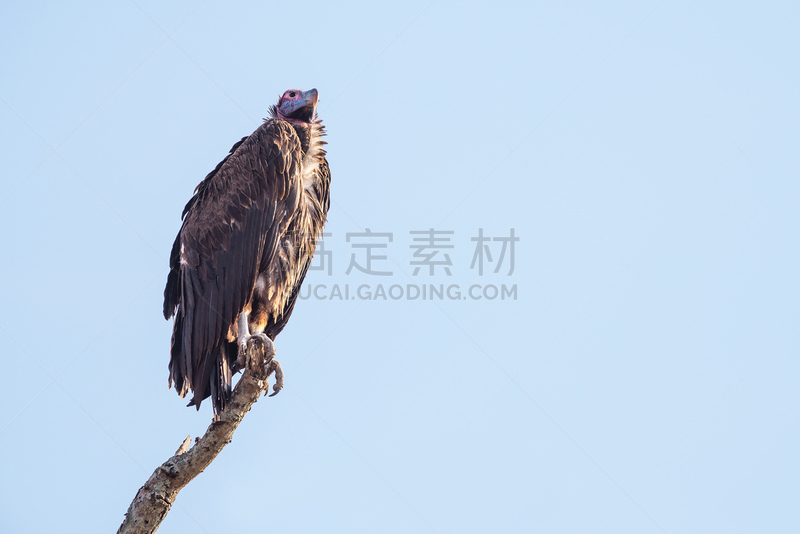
(247, 238)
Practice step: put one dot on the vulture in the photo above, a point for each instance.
(247, 239)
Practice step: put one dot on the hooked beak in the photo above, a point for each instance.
(311, 96)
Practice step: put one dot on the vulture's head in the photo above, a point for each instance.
(298, 107)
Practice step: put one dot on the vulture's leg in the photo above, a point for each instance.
(244, 334)
(270, 364)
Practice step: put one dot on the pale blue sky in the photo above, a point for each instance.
(645, 379)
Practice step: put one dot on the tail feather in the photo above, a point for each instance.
(218, 376)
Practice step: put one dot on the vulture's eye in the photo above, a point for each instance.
(292, 94)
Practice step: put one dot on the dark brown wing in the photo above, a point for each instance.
(235, 218)
(323, 184)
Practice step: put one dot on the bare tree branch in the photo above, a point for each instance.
(155, 498)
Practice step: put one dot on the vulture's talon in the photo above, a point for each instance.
(276, 367)
(258, 354)
(252, 340)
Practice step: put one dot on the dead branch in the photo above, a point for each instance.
(155, 498)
